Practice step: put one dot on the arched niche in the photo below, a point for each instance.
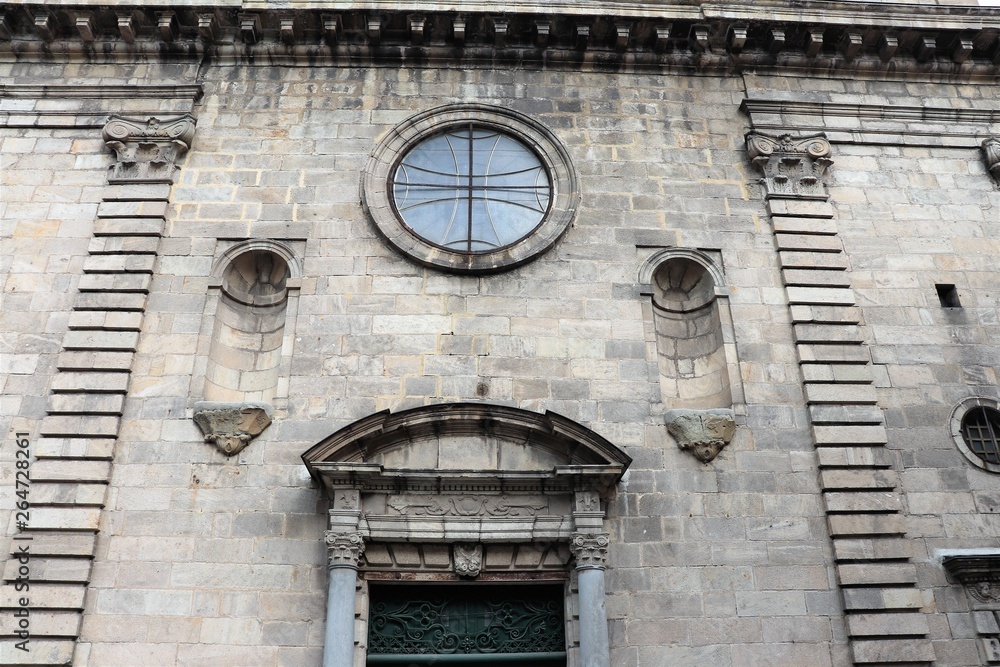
(466, 493)
(244, 359)
(246, 345)
(695, 348)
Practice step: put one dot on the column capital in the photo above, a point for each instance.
(792, 166)
(991, 151)
(344, 549)
(147, 148)
(590, 550)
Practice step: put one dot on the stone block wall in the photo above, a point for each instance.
(204, 559)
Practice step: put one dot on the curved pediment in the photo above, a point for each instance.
(467, 441)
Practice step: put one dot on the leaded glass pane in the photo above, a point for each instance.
(474, 620)
(471, 189)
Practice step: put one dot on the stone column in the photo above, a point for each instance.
(590, 547)
(344, 544)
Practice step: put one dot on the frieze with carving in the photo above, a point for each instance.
(468, 559)
(792, 166)
(987, 592)
(147, 149)
(467, 506)
(590, 550)
(344, 549)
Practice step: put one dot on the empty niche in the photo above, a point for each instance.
(245, 359)
(694, 346)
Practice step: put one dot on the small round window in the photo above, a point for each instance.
(981, 432)
(470, 188)
(975, 426)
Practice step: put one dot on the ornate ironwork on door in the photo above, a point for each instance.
(421, 620)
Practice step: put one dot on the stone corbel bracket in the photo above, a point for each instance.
(147, 149)
(991, 151)
(792, 166)
(702, 432)
(978, 570)
(231, 426)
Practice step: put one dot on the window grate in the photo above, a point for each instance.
(981, 432)
(419, 620)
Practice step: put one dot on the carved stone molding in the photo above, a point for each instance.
(147, 148)
(344, 549)
(978, 571)
(984, 591)
(466, 505)
(991, 151)
(792, 166)
(590, 550)
(468, 559)
(702, 432)
(231, 426)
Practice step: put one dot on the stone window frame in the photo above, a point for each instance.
(376, 197)
(955, 424)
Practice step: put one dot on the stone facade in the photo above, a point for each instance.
(777, 230)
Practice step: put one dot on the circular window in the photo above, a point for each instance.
(470, 188)
(975, 426)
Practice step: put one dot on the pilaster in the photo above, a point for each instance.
(79, 433)
(860, 490)
(589, 545)
(344, 546)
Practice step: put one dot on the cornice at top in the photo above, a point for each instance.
(812, 36)
(899, 13)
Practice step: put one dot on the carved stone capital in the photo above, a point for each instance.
(344, 549)
(991, 151)
(702, 432)
(792, 166)
(231, 426)
(147, 148)
(590, 550)
(468, 559)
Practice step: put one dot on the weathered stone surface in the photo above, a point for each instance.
(845, 381)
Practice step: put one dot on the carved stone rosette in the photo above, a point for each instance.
(702, 432)
(792, 166)
(590, 550)
(468, 559)
(147, 148)
(344, 549)
(231, 426)
(991, 151)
